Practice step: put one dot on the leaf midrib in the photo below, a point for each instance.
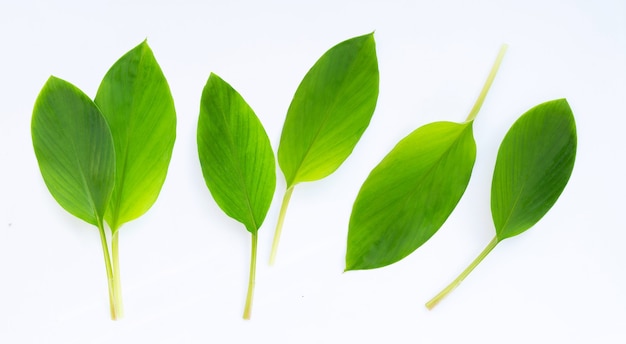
(436, 164)
(239, 171)
(525, 180)
(518, 197)
(513, 208)
(131, 124)
(83, 178)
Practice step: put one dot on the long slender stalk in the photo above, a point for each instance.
(117, 284)
(110, 278)
(279, 225)
(247, 312)
(472, 115)
(488, 82)
(435, 300)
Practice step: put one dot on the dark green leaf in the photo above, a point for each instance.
(410, 194)
(534, 163)
(235, 153)
(74, 148)
(330, 110)
(136, 101)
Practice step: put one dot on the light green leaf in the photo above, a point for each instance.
(235, 154)
(534, 163)
(136, 101)
(410, 194)
(74, 149)
(330, 110)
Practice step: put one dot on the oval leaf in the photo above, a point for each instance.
(534, 163)
(136, 101)
(235, 153)
(330, 110)
(410, 194)
(74, 149)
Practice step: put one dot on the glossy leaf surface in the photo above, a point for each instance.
(235, 153)
(534, 163)
(135, 99)
(330, 110)
(410, 194)
(74, 149)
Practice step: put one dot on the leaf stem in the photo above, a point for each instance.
(435, 300)
(247, 312)
(110, 278)
(488, 82)
(117, 284)
(279, 225)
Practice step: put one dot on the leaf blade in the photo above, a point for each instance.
(533, 166)
(74, 150)
(136, 100)
(235, 154)
(330, 110)
(410, 194)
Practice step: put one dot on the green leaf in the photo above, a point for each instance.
(534, 163)
(74, 149)
(410, 194)
(136, 101)
(237, 162)
(330, 110)
(235, 154)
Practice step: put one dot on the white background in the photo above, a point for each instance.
(185, 264)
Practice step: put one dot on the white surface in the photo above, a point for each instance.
(185, 264)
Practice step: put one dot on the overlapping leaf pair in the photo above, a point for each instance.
(106, 160)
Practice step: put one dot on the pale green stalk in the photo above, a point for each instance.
(472, 115)
(116, 275)
(435, 300)
(247, 312)
(488, 82)
(110, 274)
(279, 225)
